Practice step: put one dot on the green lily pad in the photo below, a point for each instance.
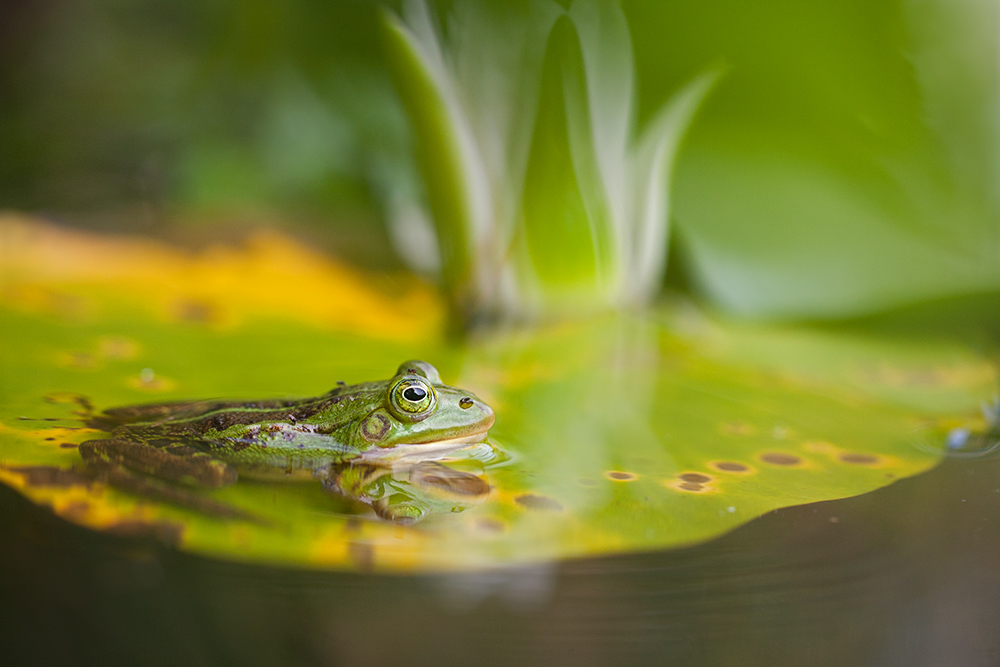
(622, 433)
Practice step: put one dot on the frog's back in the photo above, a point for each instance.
(258, 434)
(186, 411)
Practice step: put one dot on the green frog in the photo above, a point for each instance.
(352, 439)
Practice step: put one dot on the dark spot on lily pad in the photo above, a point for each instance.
(780, 459)
(619, 476)
(696, 477)
(690, 486)
(456, 482)
(730, 466)
(858, 458)
(533, 501)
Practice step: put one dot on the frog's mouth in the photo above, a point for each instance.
(425, 451)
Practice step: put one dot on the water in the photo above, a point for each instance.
(906, 575)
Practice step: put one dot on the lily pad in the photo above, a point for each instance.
(623, 433)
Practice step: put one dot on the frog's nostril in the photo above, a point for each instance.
(465, 403)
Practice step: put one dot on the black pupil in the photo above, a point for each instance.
(414, 394)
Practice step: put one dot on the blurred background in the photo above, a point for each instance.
(846, 162)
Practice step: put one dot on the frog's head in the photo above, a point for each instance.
(420, 417)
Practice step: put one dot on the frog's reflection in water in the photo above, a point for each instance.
(406, 494)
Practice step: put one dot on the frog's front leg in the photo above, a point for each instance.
(149, 472)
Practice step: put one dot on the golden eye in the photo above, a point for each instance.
(412, 398)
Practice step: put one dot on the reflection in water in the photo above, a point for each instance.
(969, 439)
(906, 575)
(965, 443)
(974, 442)
(519, 588)
(405, 494)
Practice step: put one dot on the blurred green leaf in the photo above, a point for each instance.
(848, 161)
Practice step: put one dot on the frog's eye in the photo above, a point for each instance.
(412, 398)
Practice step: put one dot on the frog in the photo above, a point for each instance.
(351, 439)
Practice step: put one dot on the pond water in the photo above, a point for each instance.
(905, 575)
